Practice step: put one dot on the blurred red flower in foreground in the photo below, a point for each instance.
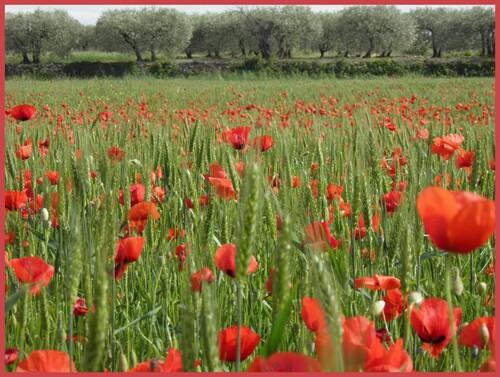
(116, 154)
(313, 314)
(432, 324)
(22, 112)
(227, 343)
(223, 187)
(33, 270)
(225, 260)
(285, 362)
(456, 221)
(46, 361)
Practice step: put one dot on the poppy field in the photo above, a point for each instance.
(250, 225)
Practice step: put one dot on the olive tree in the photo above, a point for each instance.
(40, 32)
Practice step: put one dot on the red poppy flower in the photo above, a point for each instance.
(422, 134)
(432, 324)
(15, 200)
(129, 249)
(46, 361)
(295, 181)
(360, 231)
(470, 334)
(225, 260)
(33, 270)
(392, 200)
(22, 112)
(79, 307)
(238, 136)
(456, 221)
(227, 343)
(447, 145)
(137, 194)
(43, 147)
(319, 237)
(395, 359)
(53, 177)
(116, 154)
(269, 283)
(313, 314)
(488, 365)
(334, 191)
(223, 187)
(24, 151)
(172, 363)
(240, 168)
(285, 362)
(11, 355)
(263, 143)
(142, 211)
(465, 159)
(150, 366)
(359, 338)
(217, 171)
(378, 283)
(205, 274)
(174, 233)
(394, 304)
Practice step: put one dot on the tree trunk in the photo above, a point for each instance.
(370, 49)
(36, 57)
(289, 54)
(322, 53)
(483, 44)
(346, 54)
(241, 45)
(439, 53)
(382, 55)
(189, 53)
(217, 55)
(134, 46)
(434, 52)
(153, 55)
(264, 43)
(389, 53)
(26, 59)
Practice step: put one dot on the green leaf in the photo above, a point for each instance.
(41, 237)
(14, 298)
(137, 320)
(277, 331)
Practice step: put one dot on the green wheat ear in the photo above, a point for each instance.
(280, 289)
(208, 325)
(249, 206)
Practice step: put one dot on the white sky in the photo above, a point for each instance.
(88, 14)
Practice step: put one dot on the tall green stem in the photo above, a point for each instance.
(454, 342)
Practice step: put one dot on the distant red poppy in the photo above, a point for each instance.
(378, 283)
(395, 359)
(447, 145)
(295, 181)
(217, 171)
(24, 151)
(33, 270)
(269, 283)
(470, 334)
(205, 274)
(53, 177)
(456, 221)
(285, 362)
(238, 136)
(15, 200)
(137, 194)
(43, 147)
(116, 154)
(174, 233)
(360, 231)
(223, 187)
(225, 260)
(394, 304)
(319, 237)
(422, 134)
(79, 307)
(432, 324)
(465, 159)
(227, 343)
(46, 361)
(240, 168)
(263, 143)
(334, 191)
(22, 112)
(313, 314)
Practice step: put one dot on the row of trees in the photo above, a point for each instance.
(270, 31)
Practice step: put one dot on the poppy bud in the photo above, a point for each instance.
(461, 327)
(482, 288)
(415, 298)
(456, 282)
(122, 363)
(484, 334)
(44, 214)
(377, 308)
(474, 352)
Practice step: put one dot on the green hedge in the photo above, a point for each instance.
(99, 69)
